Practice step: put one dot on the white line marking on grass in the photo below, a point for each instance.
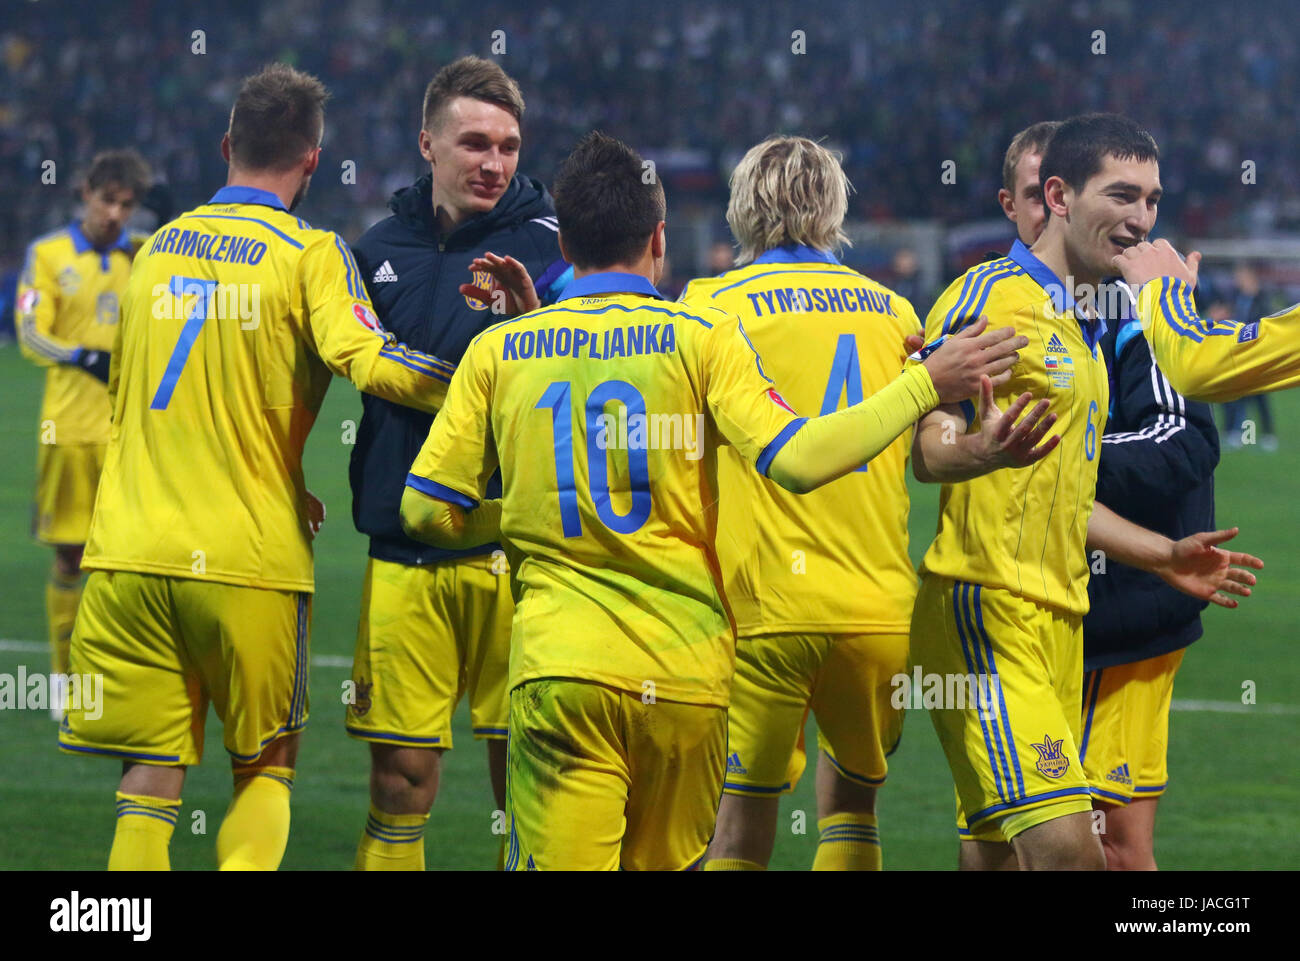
(1233, 707)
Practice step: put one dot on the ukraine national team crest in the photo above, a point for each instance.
(1051, 760)
(481, 279)
(69, 280)
(362, 705)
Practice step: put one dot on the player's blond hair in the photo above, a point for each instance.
(788, 190)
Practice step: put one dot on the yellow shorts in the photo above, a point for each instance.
(1126, 728)
(843, 678)
(427, 635)
(66, 480)
(598, 780)
(1011, 728)
(166, 646)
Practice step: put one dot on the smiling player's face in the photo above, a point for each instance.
(474, 152)
(1115, 210)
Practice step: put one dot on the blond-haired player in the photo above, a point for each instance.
(67, 309)
(820, 585)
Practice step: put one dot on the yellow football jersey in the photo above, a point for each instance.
(235, 316)
(1218, 361)
(68, 301)
(604, 412)
(833, 560)
(1024, 530)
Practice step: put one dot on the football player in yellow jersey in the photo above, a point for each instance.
(821, 585)
(235, 317)
(67, 307)
(603, 413)
(1206, 359)
(1004, 584)
(1130, 656)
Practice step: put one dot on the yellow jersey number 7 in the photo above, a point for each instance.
(182, 287)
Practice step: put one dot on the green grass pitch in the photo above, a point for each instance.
(1231, 805)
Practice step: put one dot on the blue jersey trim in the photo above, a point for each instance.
(81, 243)
(754, 789)
(1062, 299)
(388, 736)
(1109, 795)
(962, 620)
(407, 361)
(434, 489)
(609, 282)
(779, 441)
(1002, 702)
(236, 194)
(994, 809)
(860, 778)
(252, 220)
(795, 254)
(128, 755)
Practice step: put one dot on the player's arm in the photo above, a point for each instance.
(443, 502)
(803, 454)
(348, 337)
(37, 306)
(943, 453)
(1205, 360)
(1193, 565)
(1169, 450)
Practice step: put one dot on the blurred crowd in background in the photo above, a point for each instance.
(898, 88)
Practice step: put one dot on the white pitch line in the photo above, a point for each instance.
(1192, 706)
(1233, 707)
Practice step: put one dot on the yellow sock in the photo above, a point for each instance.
(392, 842)
(144, 830)
(256, 827)
(732, 864)
(62, 595)
(848, 842)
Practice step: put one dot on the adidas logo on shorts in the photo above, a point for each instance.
(733, 764)
(385, 274)
(1121, 776)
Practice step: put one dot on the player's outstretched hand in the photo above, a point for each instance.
(512, 290)
(315, 513)
(1005, 443)
(961, 361)
(1147, 261)
(1197, 566)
